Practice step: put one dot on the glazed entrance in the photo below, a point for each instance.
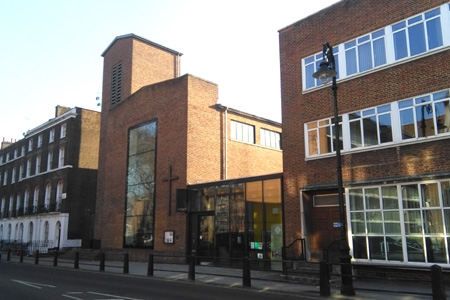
(231, 220)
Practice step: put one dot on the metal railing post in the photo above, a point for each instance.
(150, 268)
(36, 257)
(191, 275)
(76, 261)
(126, 263)
(437, 285)
(55, 259)
(102, 262)
(324, 279)
(246, 278)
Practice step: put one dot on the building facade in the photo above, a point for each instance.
(393, 97)
(48, 183)
(161, 132)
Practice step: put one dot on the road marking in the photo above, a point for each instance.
(115, 297)
(33, 284)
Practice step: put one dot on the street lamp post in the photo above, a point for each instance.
(327, 71)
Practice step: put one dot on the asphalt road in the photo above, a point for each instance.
(37, 282)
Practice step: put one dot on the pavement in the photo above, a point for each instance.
(261, 281)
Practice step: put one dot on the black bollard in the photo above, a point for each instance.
(324, 279)
(246, 279)
(102, 262)
(36, 257)
(8, 255)
(126, 263)
(55, 259)
(21, 256)
(191, 274)
(76, 262)
(437, 285)
(150, 265)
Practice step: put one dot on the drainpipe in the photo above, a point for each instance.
(226, 142)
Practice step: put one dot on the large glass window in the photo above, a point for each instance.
(408, 222)
(312, 64)
(140, 201)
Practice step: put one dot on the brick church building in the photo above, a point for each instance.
(163, 134)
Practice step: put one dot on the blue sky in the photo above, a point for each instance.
(50, 50)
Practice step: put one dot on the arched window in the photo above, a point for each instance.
(48, 190)
(35, 199)
(16, 232)
(59, 192)
(9, 232)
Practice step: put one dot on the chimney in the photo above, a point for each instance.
(60, 110)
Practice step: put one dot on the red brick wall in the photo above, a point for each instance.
(337, 24)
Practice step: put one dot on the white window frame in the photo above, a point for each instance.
(242, 132)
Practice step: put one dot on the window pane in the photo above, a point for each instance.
(356, 199)
(312, 142)
(392, 222)
(445, 187)
(374, 222)
(394, 248)
(390, 198)
(325, 140)
(376, 248)
(413, 222)
(410, 196)
(379, 52)
(430, 195)
(385, 128)
(415, 249)
(372, 198)
(432, 221)
(359, 247)
(407, 121)
(370, 131)
(365, 57)
(425, 124)
(310, 80)
(436, 250)
(417, 39)
(350, 58)
(401, 50)
(434, 33)
(355, 134)
(357, 221)
(442, 110)
(139, 231)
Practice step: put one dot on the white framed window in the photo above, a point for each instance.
(2, 207)
(20, 172)
(30, 144)
(51, 135)
(22, 152)
(18, 204)
(242, 132)
(28, 171)
(13, 175)
(59, 192)
(325, 200)
(16, 153)
(11, 206)
(418, 34)
(5, 177)
(365, 53)
(49, 160)
(424, 116)
(38, 165)
(39, 141)
(408, 222)
(63, 131)
(61, 157)
(270, 138)
(406, 39)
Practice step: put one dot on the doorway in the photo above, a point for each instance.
(202, 236)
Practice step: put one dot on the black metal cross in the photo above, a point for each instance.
(170, 179)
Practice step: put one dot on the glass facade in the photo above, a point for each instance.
(247, 216)
(140, 201)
